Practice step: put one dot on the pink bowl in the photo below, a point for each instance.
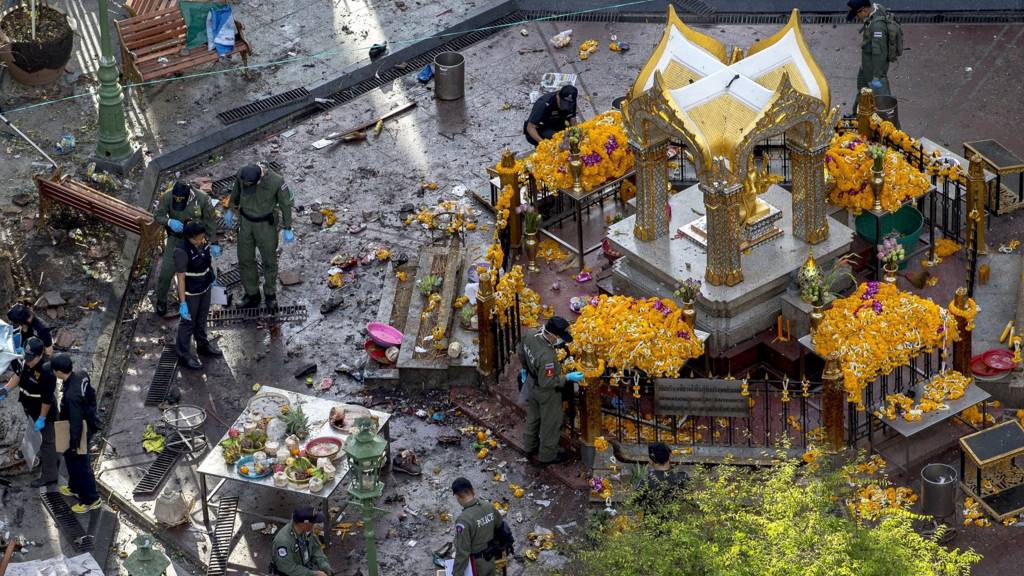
(384, 335)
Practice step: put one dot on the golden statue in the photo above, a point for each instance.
(757, 182)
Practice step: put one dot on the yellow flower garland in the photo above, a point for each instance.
(630, 334)
(948, 385)
(509, 286)
(605, 149)
(968, 313)
(878, 329)
(909, 145)
(849, 164)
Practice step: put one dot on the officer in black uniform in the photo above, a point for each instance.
(551, 114)
(29, 325)
(38, 386)
(78, 407)
(193, 263)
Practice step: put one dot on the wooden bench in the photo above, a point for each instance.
(153, 46)
(58, 189)
(140, 7)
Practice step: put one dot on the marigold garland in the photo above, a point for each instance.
(632, 334)
(967, 313)
(949, 385)
(874, 501)
(604, 149)
(849, 164)
(510, 285)
(876, 330)
(909, 145)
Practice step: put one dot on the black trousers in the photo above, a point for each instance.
(80, 478)
(545, 133)
(199, 310)
(49, 464)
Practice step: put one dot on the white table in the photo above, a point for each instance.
(317, 412)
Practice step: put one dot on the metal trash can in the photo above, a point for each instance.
(938, 490)
(887, 108)
(449, 76)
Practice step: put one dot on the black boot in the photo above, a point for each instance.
(191, 363)
(161, 309)
(271, 301)
(250, 301)
(210, 349)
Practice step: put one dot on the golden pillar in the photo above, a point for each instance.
(651, 192)
(977, 190)
(507, 176)
(833, 403)
(484, 304)
(962, 348)
(865, 109)
(722, 201)
(810, 215)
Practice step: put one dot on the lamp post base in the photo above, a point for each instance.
(118, 166)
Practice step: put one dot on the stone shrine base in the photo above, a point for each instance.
(731, 314)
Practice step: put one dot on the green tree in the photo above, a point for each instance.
(786, 520)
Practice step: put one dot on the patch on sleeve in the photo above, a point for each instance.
(282, 551)
(459, 528)
(878, 34)
(549, 370)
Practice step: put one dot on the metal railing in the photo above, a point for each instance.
(506, 340)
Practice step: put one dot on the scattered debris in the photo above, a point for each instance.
(306, 370)
(50, 299)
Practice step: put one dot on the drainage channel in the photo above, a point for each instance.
(166, 369)
(157, 472)
(695, 15)
(70, 527)
(223, 530)
(238, 317)
(254, 108)
(223, 186)
(229, 279)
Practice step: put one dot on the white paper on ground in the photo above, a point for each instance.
(449, 565)
(218, 295)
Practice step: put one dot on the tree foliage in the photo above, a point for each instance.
(787, 520)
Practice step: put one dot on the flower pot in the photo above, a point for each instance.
(908, 221)
(816, 316)
(39, 61)
(689, 313)
(531, 251)
(890, 269)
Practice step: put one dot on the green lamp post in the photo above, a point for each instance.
(365, 452)
(146, 560)
(113, 152)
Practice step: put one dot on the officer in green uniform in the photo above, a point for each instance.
(258, 194)
(176, 208)
(874, 47)
(542, 370)
(297, 550)
(474, 529)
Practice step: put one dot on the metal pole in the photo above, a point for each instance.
(112, 137)
(26, 138)
(371, 541)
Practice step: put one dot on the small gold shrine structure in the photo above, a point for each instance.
(720, 104)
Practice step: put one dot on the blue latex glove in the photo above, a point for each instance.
(574, 376)
(875, 84)
(175, 225)
(215, 250)
(183, 311)
(288, 236)
(19, 351)
(40, 422)
(523, 374)
(229, 218)
(3, 393)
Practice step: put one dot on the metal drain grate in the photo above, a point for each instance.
(237, 316)
(157, 473)
(694, 6)
(253, 108)
(70, 528)
(418, 62)
(232, 277)
(695, 14)
(166, 368)
(223, 186)
(223, 530)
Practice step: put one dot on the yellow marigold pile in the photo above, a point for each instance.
(509, 286)
(877, 329)
(604, 149)
(650, 335)
(550, 251)
(948, 385)
(874, 501)
(973, 416)
(946, 247)
(849, 164)
(973, 514)
(910, 145)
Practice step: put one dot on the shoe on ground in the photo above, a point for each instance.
(249, 301)
(161, 309)
(210, 349)
(271, 302)
(560, 458)
(39, 483)
(191, 363)
(65, 490)
(83, 508)
(406, 463)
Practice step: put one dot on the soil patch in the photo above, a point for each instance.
(51, 25)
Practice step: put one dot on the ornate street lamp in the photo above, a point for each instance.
(365, 451)
(113, 152)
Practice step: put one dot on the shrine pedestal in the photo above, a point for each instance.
(731, 314)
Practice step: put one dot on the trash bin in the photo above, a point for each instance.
(450, 76)
(938, 490)
(888, 108)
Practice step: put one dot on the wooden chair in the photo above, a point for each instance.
(140, 7)
(153, 46)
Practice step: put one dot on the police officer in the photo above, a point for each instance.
(874, 47)
(28, 324)
(38, 386)
(193, 263)
(551, 114)
(78, 407)
(257, 194)
(297, 550)
(474, 529)
(543, 371)
(177, 207)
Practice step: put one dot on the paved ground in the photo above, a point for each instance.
(448, 143)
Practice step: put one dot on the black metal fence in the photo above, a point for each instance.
(506, 339)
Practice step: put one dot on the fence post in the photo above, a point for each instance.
(832, 404)
(865, 109)
(977, 191)
(962, 348)
(508, 176)
(485, 324)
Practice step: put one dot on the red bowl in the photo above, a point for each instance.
(999, 359)
(383, 335)
(377, 353)
(980, 368)
(323, 440)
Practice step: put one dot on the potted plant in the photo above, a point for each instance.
(467, 315)
(531, 226)
(688, 291)
(891, 253)
(36, 41)
(428, 284)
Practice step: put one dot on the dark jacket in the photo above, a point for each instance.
(78, 406)
(38, 386)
